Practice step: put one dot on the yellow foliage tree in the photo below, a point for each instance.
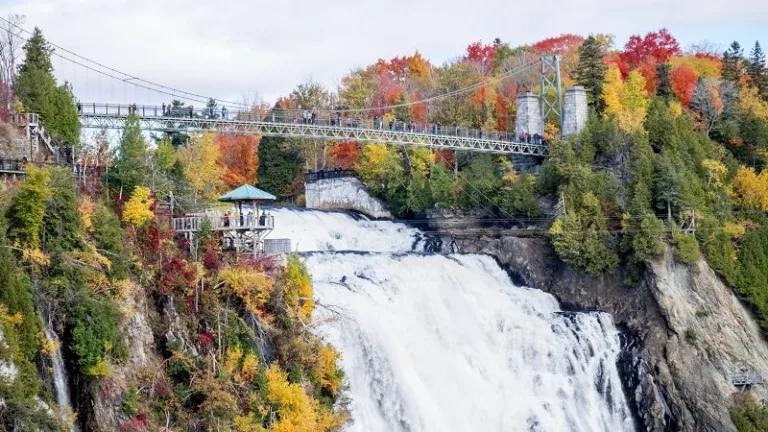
(297, 290)
(716, 171)
(378, 163)
(750, 101)
(200, 159)
(421, 159)
(296, 411)
(626, 100)
(751, 189)
(705, 67)
(87, 209)
(326, 371)
(252, 287)
(138, 210)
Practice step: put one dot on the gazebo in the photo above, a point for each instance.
(246, 194)
(242, 232)
(248, 231)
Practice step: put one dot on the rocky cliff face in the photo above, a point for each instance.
(686, 333)
(108, 397)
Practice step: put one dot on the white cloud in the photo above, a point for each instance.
(227, 47)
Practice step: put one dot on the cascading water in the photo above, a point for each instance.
(59, 377)
(448, 342)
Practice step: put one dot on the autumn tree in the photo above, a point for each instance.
(200, 159)
(138, 209)
(590, 72)
(751, 188)
(240, 158)
(656, 47)
(707, 100)
(757, 70)
(345, 154)
(683, 82)
(732, 63)
(626, 100)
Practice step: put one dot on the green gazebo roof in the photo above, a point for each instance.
(246, 192)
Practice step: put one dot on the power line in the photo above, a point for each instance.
(507, 74)
(128, 76)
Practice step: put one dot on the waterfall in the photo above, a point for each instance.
(448, 342)
(60, 382)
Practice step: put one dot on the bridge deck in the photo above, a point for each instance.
(295, 125)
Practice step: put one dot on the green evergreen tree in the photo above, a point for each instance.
(64, 123)
(732, 59)
(62, 226)
(36, 88)
(277, 168)
(403, 113)
(664, 89)
(131, 161)
(35, 84)
(590, 72)
(757, 70)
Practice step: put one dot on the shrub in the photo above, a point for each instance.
(93, 329)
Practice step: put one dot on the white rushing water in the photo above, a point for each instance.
(59, 377)
(448, 342)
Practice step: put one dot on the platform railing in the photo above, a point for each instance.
(224, 223)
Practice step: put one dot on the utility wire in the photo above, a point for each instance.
(166, 90)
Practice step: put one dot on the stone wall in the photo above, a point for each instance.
(575, 110)
(528, 114)
(345, 193)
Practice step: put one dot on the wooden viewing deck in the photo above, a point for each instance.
(191, 224)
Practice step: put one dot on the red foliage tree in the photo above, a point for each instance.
(683, 81)
(558, 45)
(240, 158)
(481, 55)
(444, 157)
(345, 154)
(660, 45)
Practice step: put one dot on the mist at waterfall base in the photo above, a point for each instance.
(447, 342)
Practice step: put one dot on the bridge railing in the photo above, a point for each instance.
(319, 118)
(312, 177)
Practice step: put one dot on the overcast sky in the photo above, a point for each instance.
(229, 47)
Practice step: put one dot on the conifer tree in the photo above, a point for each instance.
(757, 71)
(36, 88)
(732, 59)
(35, 84)
(132, 156)
(403, 113)
(664, 89)
(590, 72)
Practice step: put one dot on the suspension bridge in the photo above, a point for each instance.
(322, 126)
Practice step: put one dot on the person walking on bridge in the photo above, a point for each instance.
(163, 109)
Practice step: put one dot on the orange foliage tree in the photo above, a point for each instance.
(345, 154)
(239, 158)
(683, 80)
